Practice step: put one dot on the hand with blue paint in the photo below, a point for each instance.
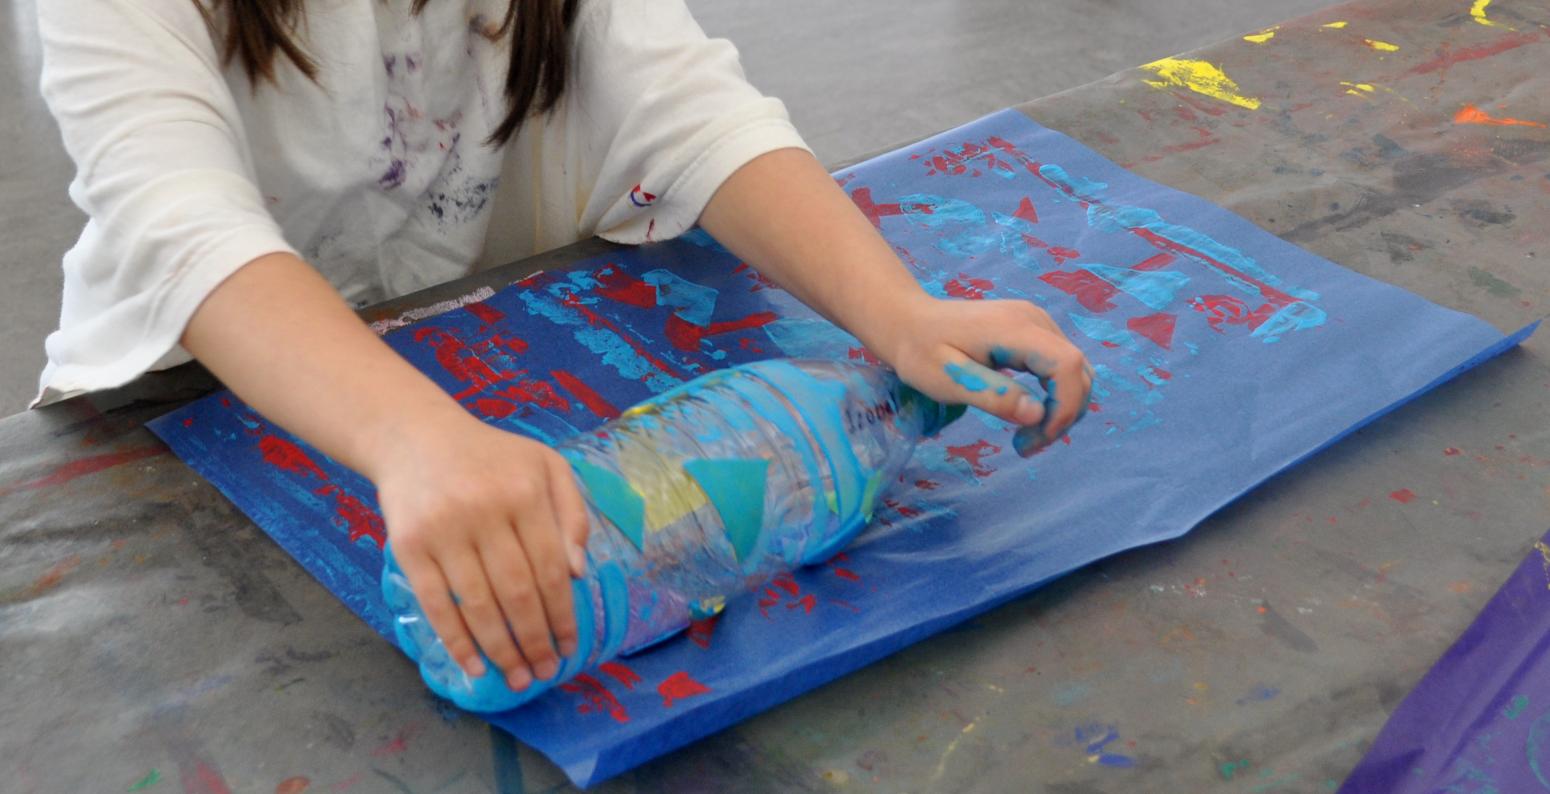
(785, 216)
(966, 352)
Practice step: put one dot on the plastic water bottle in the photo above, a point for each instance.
(700, 494)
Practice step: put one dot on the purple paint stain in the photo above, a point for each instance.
(394, 176)
(1096, 737)
(1259, 694)
(390, 63)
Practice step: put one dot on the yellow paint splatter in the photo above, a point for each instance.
(1202, 78)
(1477, 11)
(1381, 46)
(1263, 36)
(1336, 25)
(1544, 552)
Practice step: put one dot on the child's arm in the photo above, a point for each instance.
(473, 510)
(785, 215)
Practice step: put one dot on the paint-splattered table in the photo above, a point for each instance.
(152, 639)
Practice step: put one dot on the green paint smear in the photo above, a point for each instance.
(1232, 768)
(1488, 281)
(151, 778)
(1519, 702)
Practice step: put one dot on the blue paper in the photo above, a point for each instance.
(1223, 355)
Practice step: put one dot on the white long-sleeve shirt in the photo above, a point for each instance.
(378, 174)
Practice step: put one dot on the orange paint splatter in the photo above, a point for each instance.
(1461, 587)
(293, 785)
(1470, 114)
(53, 576)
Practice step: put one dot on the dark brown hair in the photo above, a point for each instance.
(259, 31)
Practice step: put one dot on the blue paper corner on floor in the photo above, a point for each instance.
(1222, 356)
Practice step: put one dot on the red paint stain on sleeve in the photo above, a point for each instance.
(679, 686)
(1404, 496)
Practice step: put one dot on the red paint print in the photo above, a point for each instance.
(458, 361)
(581, 391)
(486, 313)
(1154, 262)
(974, 454)
(875, 213)
(1156, 327)
(596, 699)
(354, 516)
(493, 408)
(1403, 496)
(1026, 211)
(288, 457)
(679, 686)
(686, 336)
(1095, 294)
(615, 284)
(969, 288)
(700, 631)
(83, 467)
(1220, 309)
(618, 672)
(1447, 56)
(537, 392)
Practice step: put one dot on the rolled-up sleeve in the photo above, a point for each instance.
(164, 174)
(666, 115)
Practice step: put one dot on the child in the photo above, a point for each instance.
(252, 169)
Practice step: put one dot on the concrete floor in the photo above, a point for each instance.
(857, 77)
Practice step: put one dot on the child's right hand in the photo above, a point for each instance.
(488, 527)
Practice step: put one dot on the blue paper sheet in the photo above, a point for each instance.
(1480, 719)
(1223, 355)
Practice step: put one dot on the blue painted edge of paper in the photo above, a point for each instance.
(691, 725)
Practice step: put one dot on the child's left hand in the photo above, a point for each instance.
(954, 351)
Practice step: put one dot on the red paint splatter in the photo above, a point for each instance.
(293, 785)
(188, 422)
(686, 336)
(1451, 451)
(974, 454)
(862, 354)
(399, 743)
(485, 312)
(82, 467)
(1448, 57)
(1156, 327)
(847, 574)
(806, 602)
(1230, 310)
(581, 391)
(679, 686)
(286, 456)
(1404, 496)
(618, 672)
(202, 779)
(787, 582)
(596, 699)
(969, 288)
(54, 575)
(1095, 294)
(927, 485)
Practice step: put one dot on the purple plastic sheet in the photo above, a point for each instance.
(1223, 355)
(1480, 719)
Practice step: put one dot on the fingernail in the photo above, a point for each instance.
(578, 562)
(567, 647)
(475, 667)
(546, 669)
(1027, 411)
(519, 679)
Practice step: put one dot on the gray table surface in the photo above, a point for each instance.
(150, 634)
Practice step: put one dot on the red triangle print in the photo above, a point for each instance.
(1156, 327)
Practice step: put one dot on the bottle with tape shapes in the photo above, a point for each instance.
(700, 494)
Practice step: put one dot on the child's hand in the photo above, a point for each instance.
(497, 520)
(953, 351)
